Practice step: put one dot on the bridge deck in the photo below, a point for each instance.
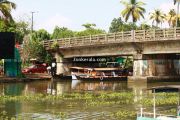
(120, 37)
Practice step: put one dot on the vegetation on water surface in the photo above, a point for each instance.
(101, 99)
(4, 116)
(97, 98)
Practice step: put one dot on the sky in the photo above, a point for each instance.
(73, 13)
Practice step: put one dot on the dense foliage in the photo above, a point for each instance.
(62, 33)
(40, 35)
(20, 28)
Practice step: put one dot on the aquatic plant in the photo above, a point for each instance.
(124, 115)
(62, 115)
(95, 100)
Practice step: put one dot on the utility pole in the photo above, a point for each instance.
(32, 21)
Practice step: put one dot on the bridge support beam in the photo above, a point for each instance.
(155, 65)
(63, 65)
(137, 65)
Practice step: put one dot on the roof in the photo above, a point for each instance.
(166, 88)
(79, 68)
(105, 69)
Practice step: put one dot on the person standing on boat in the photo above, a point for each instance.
(49, 69)
(53, 67)
(93, 73)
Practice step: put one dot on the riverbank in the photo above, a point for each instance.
(26, 78)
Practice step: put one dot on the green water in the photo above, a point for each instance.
(74, 109)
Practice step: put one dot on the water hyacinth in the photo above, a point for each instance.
(90, 100)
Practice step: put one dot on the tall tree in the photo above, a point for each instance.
(144, 26)
(89, 25)
(115, 25)
(178, 3)
(33, 49)
(89, 30)
(157, 16)
(62, 33)
(22, 29)
(5, 10)
(134, 9)
(171, 18)
(40, 35)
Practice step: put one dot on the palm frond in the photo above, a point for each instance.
(133, 9)
(127, 16)
(124, 2)
(5, 8)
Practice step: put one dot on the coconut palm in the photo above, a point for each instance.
(171, 18)
(157, 16)
(134, 9)
(5, 9)
(178, 3)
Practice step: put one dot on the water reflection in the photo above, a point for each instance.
(60, 87)
(99, 86)
(57, 88)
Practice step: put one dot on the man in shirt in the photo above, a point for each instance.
(53, 67)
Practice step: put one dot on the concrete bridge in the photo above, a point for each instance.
(155, 51)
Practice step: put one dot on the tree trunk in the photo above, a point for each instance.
(177, 14)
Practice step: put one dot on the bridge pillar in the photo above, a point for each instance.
(63, 65)
(137, 65)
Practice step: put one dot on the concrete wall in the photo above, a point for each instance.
(156, 67)
(106, 50)
(63, 65)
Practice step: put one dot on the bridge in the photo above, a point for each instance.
(143, 45)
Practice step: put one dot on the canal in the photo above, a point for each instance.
(100, 100)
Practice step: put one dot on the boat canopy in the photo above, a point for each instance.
(78, 68)
(96, 69)
(105, 69)
(166, 88)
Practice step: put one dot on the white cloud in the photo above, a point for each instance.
(52, 21)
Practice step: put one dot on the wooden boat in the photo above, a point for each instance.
(154, 116)
(61, 77)
(80, 73)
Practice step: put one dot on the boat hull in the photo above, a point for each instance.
(119, 78)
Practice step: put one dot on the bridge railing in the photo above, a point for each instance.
(126, 36)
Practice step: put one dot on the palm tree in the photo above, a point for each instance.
(177, 1)
(157, 16)
(5, 10)
(171, 18)
(134, 9)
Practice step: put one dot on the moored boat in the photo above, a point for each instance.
(98, 74)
